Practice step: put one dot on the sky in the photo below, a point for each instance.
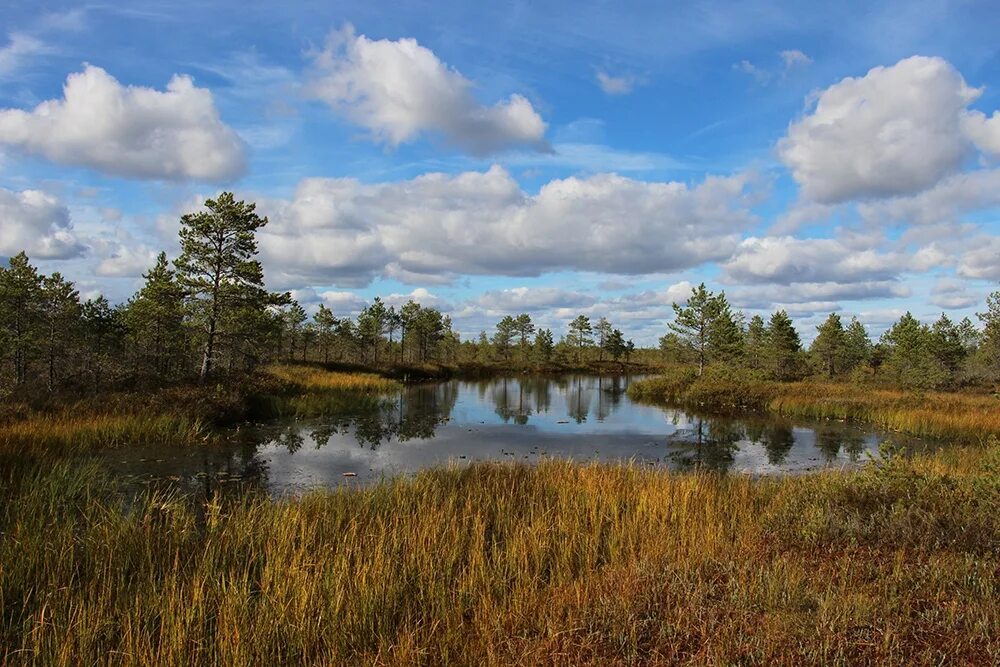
(551, 158)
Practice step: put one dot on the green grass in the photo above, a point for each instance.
(503, 564)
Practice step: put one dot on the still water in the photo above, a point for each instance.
(523, 419)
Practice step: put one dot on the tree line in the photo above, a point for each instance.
(911, 354)
(206, 312)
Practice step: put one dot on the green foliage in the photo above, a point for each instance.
(910, 355)
(222, 281)
(155, 321)
(783, 352)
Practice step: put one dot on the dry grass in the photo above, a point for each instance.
(957, 417)
(68, 432)
(953, 416)
(310, 378)
(499, 564)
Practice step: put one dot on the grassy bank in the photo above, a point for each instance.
(186, 414)
(499, 564)
(960, 417)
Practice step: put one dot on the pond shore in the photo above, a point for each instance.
(491, 563)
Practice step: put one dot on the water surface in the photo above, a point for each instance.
(526, 418)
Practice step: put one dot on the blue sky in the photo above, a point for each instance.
(544, 157)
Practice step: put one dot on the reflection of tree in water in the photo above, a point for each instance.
(415, 412)
(508, 397)
(708, 445)
(777, 438)
(577, 400)
(290, 438)
(830, 438)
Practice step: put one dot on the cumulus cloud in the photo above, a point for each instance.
(895, 131)
(399, 90)
(123, 260)
(983, 131)
(533, 299)
(343, 231)
(950, 294)
(37, 223)
(983, 261)
(129, 131)
(786, 260)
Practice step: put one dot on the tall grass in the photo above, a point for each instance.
(71, 433)
(500, 564)
(311, 378)
(962, 417)
(954, 416)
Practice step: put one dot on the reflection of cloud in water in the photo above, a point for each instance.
(523, 419)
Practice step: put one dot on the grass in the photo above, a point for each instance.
(953, 416)
(309, 378)
(502, 564)
(67, 433)
(183, 415)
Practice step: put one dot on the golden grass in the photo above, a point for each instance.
(67, 432)
(500, 564)
(963, 417)
(310, 378)
(954, 416)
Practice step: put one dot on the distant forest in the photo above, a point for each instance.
(208, 313)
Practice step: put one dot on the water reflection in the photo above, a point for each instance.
(522, 418)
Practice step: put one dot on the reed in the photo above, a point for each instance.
(503, 564)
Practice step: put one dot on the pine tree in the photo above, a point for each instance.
(295, 317)
(504, 336)
(755, 343)
(989, 347)
(603, 331)
(725, 332)
(580, 331)
(372, 326)
(155, 319)
(694, 322)
(784, 347)
(544, 344)
(325, 322)
(829, 346)
(857, 345)
(219, 274)
(20, 313)
(909, 351)
(946, 345)
(525, 328)
(60, 315)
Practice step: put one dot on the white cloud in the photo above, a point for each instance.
(37, 223)
(19, 48)
(347, 232)
(950, 294)
(617, 85)
(399, 90)
(760, 75)
(984, 132)
(895, 131)
(129, 131)
(945, 202)
(983, 261)
(532, 299)
(787, 260)
(124, 260)
(794, 58)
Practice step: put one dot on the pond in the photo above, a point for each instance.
(523, 419)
